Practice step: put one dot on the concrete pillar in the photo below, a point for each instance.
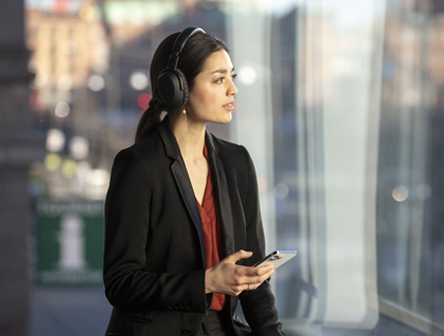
(19, 146)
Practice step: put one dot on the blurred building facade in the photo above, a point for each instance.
(70, 57)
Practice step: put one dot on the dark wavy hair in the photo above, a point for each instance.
(191, 62)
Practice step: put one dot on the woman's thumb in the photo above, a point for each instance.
(241, 254)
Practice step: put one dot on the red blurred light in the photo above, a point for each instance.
(144, 100)
(61, 6)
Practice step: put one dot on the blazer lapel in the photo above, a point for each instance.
(223, 195)
(182, 179)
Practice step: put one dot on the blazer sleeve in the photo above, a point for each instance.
(258, 305)
(128, 284)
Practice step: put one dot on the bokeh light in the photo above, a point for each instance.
(400, 193)
(143, 101)
(55, 140)
(53, 161)
(138, 80)
(96, 83)
(69, 168)
(281, 191)
(247, 75)
(79, 147)
(62, 109)
(423, 191)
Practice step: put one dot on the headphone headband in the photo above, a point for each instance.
(180, 42)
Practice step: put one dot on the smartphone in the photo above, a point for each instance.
(277, 258)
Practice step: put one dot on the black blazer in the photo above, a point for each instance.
(154, 260)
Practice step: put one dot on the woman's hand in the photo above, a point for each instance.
(228, 278)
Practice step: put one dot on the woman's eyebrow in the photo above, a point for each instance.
(222, 71)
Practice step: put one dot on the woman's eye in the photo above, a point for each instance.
(221, 79)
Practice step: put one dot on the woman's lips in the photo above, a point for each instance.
(230, 106)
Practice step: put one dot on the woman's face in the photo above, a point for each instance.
(212, 95)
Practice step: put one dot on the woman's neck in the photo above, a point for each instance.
(189, 136)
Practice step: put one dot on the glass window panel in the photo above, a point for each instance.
(341, 105)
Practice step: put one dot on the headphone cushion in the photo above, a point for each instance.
(186, 91)
(172, 87)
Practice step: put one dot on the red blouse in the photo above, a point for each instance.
(209, 214)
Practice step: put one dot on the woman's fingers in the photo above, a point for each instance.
(235, 257)
(253, 282)
(228, 278)
(257, 271)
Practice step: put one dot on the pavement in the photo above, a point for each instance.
(65, 311)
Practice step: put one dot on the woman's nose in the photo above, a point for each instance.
(232, 90)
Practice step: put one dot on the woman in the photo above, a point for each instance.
(182, 208)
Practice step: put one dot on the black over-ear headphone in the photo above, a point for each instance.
(171, 84)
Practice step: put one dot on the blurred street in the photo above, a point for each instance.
(65, 311)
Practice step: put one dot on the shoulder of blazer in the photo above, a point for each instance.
(163, 142)
(157, 144)
(229, 152)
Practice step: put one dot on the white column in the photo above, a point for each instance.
(248, 40)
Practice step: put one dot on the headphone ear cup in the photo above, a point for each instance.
(172, 87)
(185, 91)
